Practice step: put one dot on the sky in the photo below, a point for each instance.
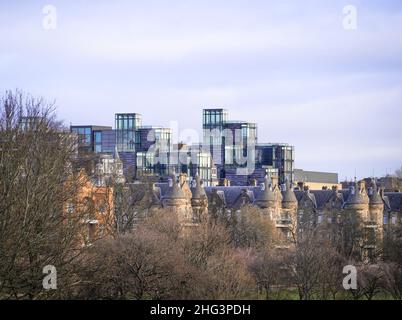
(334, 92)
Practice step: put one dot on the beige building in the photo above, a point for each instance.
(315, 180)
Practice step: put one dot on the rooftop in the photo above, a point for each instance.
(314, 176)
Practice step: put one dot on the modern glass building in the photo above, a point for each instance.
(194, 160)
(204, 167)
(231, 143)
(213, 135)
(127, 135)
(227, 146)
(108, 141)
(234, 145)
(240, 142)
(89, 137)
(278, 156)
(153, 151)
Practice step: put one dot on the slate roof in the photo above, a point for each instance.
(232, 193)
(355, 197)
(266, 195)
(288, 195)
(174, 192)
(322, 197)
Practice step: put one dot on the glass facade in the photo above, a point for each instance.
(204, 167)
(89, 137)
(84, 134)
(145, 162)
(98, 141)
(214, 117)
(194, 160)
(108, 141)
(213, 124)
(127, 136)
(281, 157)
(227, 146)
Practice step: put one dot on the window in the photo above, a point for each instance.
(244, 132)
(84, 134)
(98, 137)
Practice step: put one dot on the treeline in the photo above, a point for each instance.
(220, 261)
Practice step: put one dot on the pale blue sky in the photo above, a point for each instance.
(290, 66)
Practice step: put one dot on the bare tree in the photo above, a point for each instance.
(398, 173)
(268, 270)
(228, 276)
(330, 279)
(132, 203)
(250, 228)
(392, 265)
(308, 263)
(369, 281)
(37, 184)
(140, 265)
(204, 241)
(145, 264)
(393, 279)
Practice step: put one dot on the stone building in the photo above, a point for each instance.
(367, 209)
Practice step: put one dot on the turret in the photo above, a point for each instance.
(355, 219)
(376, 204)
(288, 218)
(184, 185)
(289, 200)
(176, 200)
(357, 201)
(266, 198)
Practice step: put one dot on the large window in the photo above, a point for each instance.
(204, 167)
(214, 117)
(98, 141)
(98, 137)
(108, 141)
(84, 134)
(145, 162)
(126, 130)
